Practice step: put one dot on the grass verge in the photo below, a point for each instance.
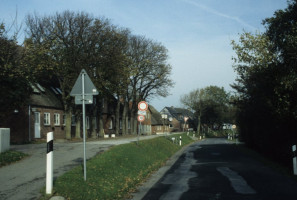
(218, 133)
(8, 157)
(116, 173)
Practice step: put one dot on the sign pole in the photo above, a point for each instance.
(138, 133)
(83, 91)
(142, 106)
(84, 123)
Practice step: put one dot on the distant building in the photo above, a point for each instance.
(44, 113)
(159, 125)
(176, 117)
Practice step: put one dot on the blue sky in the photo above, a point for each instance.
(197, 33)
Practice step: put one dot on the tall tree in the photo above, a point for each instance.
(69, 42)
(210, 104)
(149, 72)
(14, 76)
(195, 101)
(266, 84)
(126, 67)
(217, 103)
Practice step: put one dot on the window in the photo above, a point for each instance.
(46, 119)
(56, 119)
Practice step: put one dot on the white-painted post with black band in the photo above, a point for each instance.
(49, 163)
(180, 140)
(294, 159)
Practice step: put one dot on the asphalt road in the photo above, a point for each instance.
(25, 179)
(215, 169)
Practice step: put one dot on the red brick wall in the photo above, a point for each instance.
(59, 132)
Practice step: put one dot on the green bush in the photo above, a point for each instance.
(8, 157)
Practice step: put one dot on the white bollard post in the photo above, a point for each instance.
(200, 137)
(294, 159)
(49, 163)
(180, 140)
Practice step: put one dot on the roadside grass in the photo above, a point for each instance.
(116, 173)
(218, 133)
(9, 157)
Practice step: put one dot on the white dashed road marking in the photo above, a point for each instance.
(179, 179)
(237, 182)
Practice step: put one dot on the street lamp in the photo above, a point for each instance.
(164, 117)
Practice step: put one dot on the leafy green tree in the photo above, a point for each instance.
(122, 66)
(281, 29)
(210, 104)
(195, 101)
(217, 104)
(256, 67)
(62, 44)
(14, 76)
(266, 84)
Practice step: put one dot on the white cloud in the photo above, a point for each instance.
(215, 12)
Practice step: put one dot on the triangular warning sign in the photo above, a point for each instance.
(89, 87)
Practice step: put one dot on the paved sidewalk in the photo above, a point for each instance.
(25, 179)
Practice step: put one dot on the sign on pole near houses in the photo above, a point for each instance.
(79, 99)
(140, 118)
(142, 108)
(140, 112)
(83, 91)
(89, 87)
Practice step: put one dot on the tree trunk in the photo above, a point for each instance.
(78, 127)
(133, 121)
(93, 127)
(101, 127)
(199, 124)
(117, 117)
(124, 119)
(136, 131)
(68, 125)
